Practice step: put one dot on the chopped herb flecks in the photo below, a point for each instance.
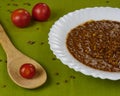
(41, 43)
(57, 83)
(107, 1)
(4, 86)
(53, 58)
(31, 42)
(9, 11)
(66, 81)
(56, 73)
(8, 4)
(27, 3)
(15, 4)
(73, 77)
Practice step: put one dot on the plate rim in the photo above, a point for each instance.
(99, 73)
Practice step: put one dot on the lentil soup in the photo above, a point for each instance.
(96, 44)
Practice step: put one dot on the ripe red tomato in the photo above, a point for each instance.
(21, 18)
(41, 12)
(27, 71)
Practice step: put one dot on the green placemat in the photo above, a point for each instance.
(62, 81)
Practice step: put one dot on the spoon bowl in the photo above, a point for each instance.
(15, 59)
(13, 70)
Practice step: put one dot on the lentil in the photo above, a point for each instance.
(96, 44)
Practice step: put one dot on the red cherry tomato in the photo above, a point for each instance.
(27, 71)
(21, 18)
(41, 12)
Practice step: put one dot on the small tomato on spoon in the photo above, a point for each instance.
(27, 71)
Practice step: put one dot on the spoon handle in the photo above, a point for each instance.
(6, 44)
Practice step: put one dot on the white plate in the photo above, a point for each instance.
(59, 31)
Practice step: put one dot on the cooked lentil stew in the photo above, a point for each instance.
(96, 44)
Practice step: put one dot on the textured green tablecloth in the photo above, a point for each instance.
(33, 41)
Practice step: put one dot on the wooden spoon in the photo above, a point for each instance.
(15, 59)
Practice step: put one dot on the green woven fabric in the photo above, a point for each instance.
(33, 41)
